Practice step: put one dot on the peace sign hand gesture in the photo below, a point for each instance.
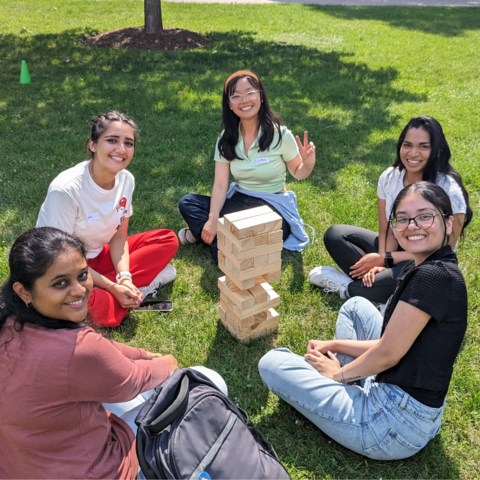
(307, 151)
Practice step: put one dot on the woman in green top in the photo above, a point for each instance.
(255, 148)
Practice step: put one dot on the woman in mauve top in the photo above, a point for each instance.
(256, 149)
(56, 372)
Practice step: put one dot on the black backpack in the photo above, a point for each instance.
(188, 429)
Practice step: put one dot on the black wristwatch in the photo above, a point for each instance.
(388, 260)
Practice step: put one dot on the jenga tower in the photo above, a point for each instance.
(250, 246)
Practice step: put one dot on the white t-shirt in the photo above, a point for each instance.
(390, 184)
(77, 205)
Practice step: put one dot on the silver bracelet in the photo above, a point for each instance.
(110, 285)
(123, 274)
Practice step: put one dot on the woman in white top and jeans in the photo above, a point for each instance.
(371, 262)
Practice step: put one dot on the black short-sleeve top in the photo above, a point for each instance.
(437, 287)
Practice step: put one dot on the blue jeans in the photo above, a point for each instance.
(196, 208)
(377, 420)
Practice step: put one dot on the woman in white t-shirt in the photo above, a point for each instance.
(371, 262)
(93, 200)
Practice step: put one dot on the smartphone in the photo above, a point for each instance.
(155, 306)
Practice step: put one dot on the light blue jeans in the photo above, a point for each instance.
(377, 420)
(128, 411)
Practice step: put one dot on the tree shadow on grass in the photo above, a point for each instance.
(445, 22)
(176, 99)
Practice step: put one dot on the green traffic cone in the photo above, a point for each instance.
(24, 75)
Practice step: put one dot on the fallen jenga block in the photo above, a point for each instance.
(255, 225)
(251, 212)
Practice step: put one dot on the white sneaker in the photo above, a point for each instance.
(185, 236)
(167, 275)
(331, 279)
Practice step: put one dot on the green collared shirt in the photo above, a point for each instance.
(262, 171)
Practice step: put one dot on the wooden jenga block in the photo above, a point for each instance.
(241, 275)
(241, 284)
(256, 225)
(260, 261)
(220, 238)
(233, 286)
(274, 257)
(275, 237)
(259, 329)
(244, 244)
(261, 239)
(228, 264)
(247, 268)
(251, 212)
(257, 251)
(259, 293)
(243, 299)
(221, 259)
(273, 299)
(239, 322)
(260, 317)
(273, 276)
(221, 312)
(228, 244)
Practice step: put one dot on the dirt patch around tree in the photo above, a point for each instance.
(136, 38)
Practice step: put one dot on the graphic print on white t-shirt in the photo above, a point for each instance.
(77, 205)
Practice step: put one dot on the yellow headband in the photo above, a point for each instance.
(239, 74)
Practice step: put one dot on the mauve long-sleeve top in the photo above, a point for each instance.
(53, 384)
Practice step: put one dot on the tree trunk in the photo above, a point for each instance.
(153, 16)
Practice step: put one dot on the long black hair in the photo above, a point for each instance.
(432, 193)
(439, 159)
(31, 255)
(268, 121)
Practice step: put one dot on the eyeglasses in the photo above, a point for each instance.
(423, 221)
(238, 98)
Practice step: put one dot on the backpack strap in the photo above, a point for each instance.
(174, 410)
(140, 446)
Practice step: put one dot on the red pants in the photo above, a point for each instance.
(150, 252)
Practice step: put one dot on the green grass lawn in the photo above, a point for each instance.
(352, 77)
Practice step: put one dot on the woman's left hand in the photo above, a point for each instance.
(327, 365)
(307, 151)
(365, 264)
(369, 277)
(135, 291)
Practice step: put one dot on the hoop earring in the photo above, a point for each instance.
(27, 304)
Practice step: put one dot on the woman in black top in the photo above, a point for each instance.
(379, 387)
